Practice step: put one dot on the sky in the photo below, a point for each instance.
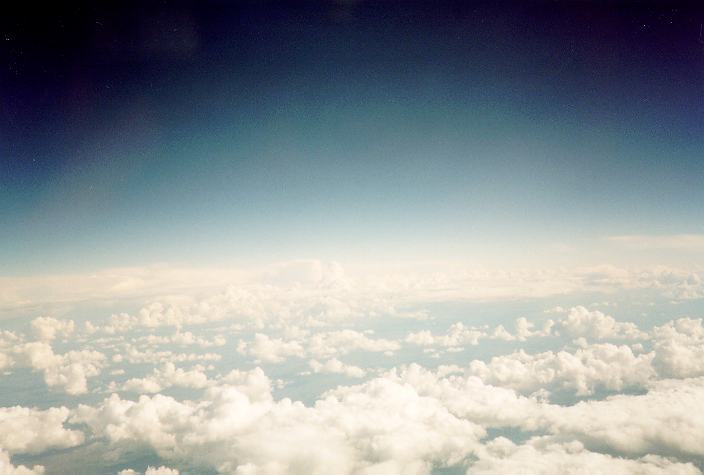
(259, 131)
(351, 237)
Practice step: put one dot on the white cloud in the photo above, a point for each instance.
(581, 322)
(161, 471)
(48, 328)
(317, 291)
(66, 372)
(183, 338)
(151, 471)
(166, 377)
(470, 398)
(8, 341)
(270, 350)
(319, 345)
(29, 430)
(679, 348)
(546, 457)
(341, 342)
(134, 355)
(309, 272)
(596, 366)
(524, 329)
(335, 366)
(410, 419)
(378, 425)
(667, 420)
(457, 335)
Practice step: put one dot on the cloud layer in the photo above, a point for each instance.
(305, 372)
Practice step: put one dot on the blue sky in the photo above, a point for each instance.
(391, 132)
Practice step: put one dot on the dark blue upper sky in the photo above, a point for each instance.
(207, 131)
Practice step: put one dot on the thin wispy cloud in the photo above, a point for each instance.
(678, 242)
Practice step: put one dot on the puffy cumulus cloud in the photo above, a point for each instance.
(385, 419)
(8, 342)
(468, 397)
(29, 430)
(270, 350)
(545, 456)
(678, 351)
(341, 342)
(166, 377)
(255, 384)
(581, 322)
(381, 426)
(524, 329)
(6, 467)
(132, 354)
(667, 420)
(664, 421)
(335, 366)
(66, 372)
(319, 345)
(152, 315)
(161, 471)
(460, 335)
(679, 348)
(595, 366)
(183, 338)
(457, 335)
(48, 328)
(151, 471)
(411, 419)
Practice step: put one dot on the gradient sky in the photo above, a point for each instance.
(256, 131)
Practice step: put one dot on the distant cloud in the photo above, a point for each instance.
(541, 455)
(166, 377)
(682, 242)
(173, 295)
(335, 366)
(151, 471)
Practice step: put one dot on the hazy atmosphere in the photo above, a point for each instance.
(351, 237)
